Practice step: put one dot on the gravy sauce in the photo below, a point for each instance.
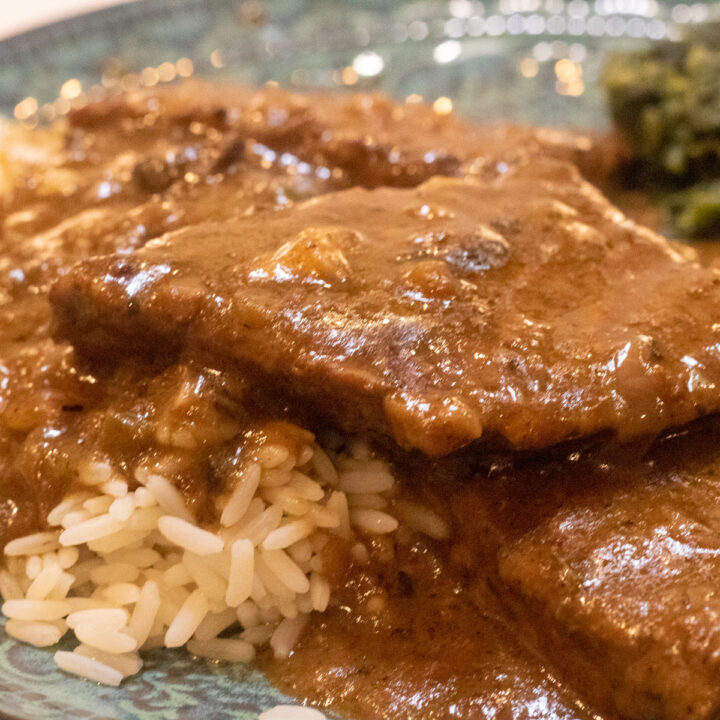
(419, 629)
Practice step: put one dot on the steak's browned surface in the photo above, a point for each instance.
(522, 306)
(615, 557)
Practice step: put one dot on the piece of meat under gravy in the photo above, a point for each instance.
(522, 307)
(364, 139)
(616, 557)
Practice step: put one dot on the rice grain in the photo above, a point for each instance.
(242, 495)
(286, 570)
(104, 638)
(32, 544)
(214, 623)
(287, 534)
(70, 503)
(375, 522)
(44, 583)
(219, 649)
(205, 577)
(242, 569)
(121, 593)
(92, 529)
(35, 609)
(186, 622)
(189, 536)
(88, 667)
(319, 592)
(126, 663)
(168, 497)
(110, 618)
(35, 633)
(286, 635)
(366, 481)
(145, 612)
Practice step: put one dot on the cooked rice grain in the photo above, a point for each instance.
(291, 712)
(40, 634)
(125, 663)
(88, 667)
(32, 544)
(189, 536)
(239, 501)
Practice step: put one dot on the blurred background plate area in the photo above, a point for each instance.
(528, 60)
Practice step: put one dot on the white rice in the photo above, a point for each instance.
(90, 668)
(373, 521)
(127, 663)
(103, 638)
(125, 567)
(291, 712)
(44, 583)
(286, 635)
(36, 609)
(189, 536)
(214, 623)
(242, 570)
(242, 495)
(35, 633)
(188, 619)
(421, 519)
(288, 534)
(366, 481)
(32, 544)
(145, 612)
(92, 529)
(110, 618)
(229, 649)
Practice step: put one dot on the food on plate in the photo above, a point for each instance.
(392, 404)
(621, 577)
(520, 307)
(596, 568)
(665, 102)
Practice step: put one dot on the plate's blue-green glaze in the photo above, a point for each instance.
(302, 43)
(493, 58)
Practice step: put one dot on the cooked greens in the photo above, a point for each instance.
(666, 102)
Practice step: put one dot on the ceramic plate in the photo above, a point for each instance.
(526, 60)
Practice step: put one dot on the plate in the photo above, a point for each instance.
(523, 60)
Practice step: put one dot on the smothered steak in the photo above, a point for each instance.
(521, 307)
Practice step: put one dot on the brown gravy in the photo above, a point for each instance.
(425, 636)
(423, 632)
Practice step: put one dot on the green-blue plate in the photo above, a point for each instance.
(496, 59)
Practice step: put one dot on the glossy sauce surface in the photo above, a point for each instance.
(420, 629)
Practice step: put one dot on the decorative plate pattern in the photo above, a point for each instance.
(529, 60)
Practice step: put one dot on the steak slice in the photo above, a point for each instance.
(363, 139)
(522, 307)
(618, 561)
